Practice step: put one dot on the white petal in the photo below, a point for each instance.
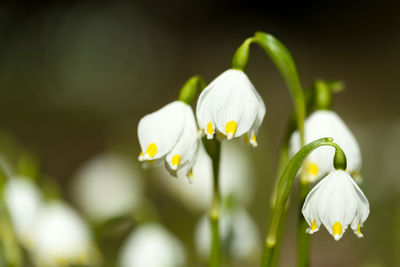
(310, 207)
(362, 209)
(159, 131)
(61, 235)
(323, 123)
(23, 199)
(235, 101)
(108, 186)
(187, 145)
(203, 112)
(152, 245)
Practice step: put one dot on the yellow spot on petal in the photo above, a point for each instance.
(359, 230)
(313, 169)
(151, 150)
(210, 130)
(253, 138)
(337, 228)
(141, 154)
(314, 226)
(176, 160)
(191, 174)
(230, 129)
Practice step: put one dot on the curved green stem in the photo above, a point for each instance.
(283, 60)
(283, 191)
(213, 148)
(189, 90)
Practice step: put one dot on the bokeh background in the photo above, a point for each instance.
(76, 77)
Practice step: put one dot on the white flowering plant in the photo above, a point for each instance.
(318, 146)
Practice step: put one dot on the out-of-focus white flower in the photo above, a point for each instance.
(108, 186)
(61, 237)
(23, 200)
(324, 123)
(237, 177)
(231, 105)
(151, 245)
(336, 202)
(239, 235)
(170, 132)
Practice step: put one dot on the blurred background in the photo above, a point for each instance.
(76, 77)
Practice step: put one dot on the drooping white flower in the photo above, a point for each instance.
(108, 186)
(61, 237)
(336, 202)
(23, 199)
(151, 245)
(239, 235)
(170, 132)
(237, 178)
(324, 123)
(231, 105)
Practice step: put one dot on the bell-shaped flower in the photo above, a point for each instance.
(151, 245)
(336, 202)
(107, 187)
(23, 199)
(62, 238)
(324, 123)
(231, 105)
(171, 133)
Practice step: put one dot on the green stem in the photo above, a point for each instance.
(189, 90)
(283, 191)
(283, 161)
(283, 60)
(213, 148)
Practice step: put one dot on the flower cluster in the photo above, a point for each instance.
(229, 106)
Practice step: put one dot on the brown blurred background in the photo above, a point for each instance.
(76, 77)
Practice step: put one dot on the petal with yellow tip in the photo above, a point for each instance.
(159, 131)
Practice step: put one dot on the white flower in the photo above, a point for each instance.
(170, 132)
(61, 237)
(151, 245)
(23, 199)
(324, 123)
(231, 105)
(108, 186)
(239, 235)
(336, 202)
(237, 178)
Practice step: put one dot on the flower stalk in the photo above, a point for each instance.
(283, 60)
(213, 148)
(188, 91)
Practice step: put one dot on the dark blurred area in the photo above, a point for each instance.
(76, 77)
